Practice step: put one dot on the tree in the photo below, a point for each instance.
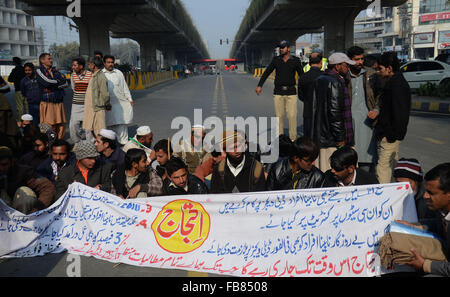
(63, 54)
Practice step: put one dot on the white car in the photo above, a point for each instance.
(419, 72)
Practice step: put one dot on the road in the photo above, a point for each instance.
(232, 95)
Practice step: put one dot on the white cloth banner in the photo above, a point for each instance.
(317, 232)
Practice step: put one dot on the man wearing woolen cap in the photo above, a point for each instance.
(332, 126)
(86, 170)
(142, 140)
(409, 170)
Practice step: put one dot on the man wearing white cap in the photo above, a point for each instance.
(142, 140)
(106, 145)
(332, 115)
(192, 152)
(27, 119)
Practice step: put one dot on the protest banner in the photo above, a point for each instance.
(316, 232)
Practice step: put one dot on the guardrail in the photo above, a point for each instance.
(145, 80)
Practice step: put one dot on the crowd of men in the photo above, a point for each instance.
(355, 117)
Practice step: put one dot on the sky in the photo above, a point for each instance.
(215, 20)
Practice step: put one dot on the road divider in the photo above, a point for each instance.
(145, 80)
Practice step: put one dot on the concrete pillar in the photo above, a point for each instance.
(148, 54)
(94, 33)
(338, 30)
(169, 58)
(267, 53)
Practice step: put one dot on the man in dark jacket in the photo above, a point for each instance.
(437, 196)
(306, 90)
(332, 116)
(134, 178)
(29, 88)
(39, 153)
(239, 171)
(394, 115)
(180, 181)
(60, 157)
(298, 170)
(85, 170)
(344, 171)
(20, 186)
(16, 76)
(285, 99)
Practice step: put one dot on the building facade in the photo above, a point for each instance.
(431, 28)
(17, 32)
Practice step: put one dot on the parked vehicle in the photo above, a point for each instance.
(419, 72)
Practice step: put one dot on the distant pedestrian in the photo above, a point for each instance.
(79, 81)
(29, 88)
(306, 89)
(16, 76)
(285, 93)
(97, 101)
(121, 114)
(394, 115)
(52, 84)
(332, 115)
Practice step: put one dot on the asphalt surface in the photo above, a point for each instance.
(228, 94)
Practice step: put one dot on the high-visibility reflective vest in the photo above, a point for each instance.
(324, 65)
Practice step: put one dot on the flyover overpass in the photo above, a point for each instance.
(154, 24)
(267, 22)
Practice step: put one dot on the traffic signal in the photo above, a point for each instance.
(221, 42)
(227, 40)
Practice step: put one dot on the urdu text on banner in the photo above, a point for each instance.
(316, 232)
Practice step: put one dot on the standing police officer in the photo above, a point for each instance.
(285, 92)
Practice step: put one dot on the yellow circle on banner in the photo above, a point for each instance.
(181, 226)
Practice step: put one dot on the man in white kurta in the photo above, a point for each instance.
(121, 113)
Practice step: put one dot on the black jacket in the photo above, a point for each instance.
(281, 177)
(250, 179)
(195, 186)
(285, 74)
(328, 111)
(395, 107)
(306, 89)
(99, 175)
(362, 178)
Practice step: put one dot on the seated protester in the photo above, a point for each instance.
(86, 170)
(26, 120)
(205, 170)
(162, 155)
(298, 170)
(238, 172)
(135, 179)
(30, 133)
(142, 140)
(60, 157)
(192, 151)
(344, 171)
(180, 181)
(106, 145)
(409, 170)
(20, 186)
(437, 197)
(39, 153)
(284, 150)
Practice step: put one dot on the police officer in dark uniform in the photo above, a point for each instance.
(285, 92)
